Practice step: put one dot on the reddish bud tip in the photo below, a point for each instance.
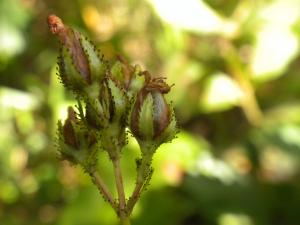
(55, 24)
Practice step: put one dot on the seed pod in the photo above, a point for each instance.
(152, 120)
(79, 61)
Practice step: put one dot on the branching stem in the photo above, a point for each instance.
(135, 196)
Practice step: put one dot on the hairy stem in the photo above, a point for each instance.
(98, 181)
(120, 187)
(125, 221)
(135, 196)
(143, 177)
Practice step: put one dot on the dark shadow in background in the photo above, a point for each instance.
(201, 201)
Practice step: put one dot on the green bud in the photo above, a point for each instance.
(123, 72)
(127, 76)
(108, 107)
(107, 115)
(152, 120)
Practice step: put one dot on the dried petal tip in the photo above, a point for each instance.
(55, 24)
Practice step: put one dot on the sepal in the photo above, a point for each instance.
(69, 74)
(97, 64)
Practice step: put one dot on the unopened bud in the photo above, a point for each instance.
(75, 144)
(80, 63)
(107, 113)
(127, 76)
(152, 119)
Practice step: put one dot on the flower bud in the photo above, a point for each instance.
(152, 119)
(75, 144)
(79, 61)
(109, 107)
(107, 115)
(122, 71)
(127, 76)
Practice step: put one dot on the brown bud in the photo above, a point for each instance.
(151, 114)
(69, 131)
(70, 40)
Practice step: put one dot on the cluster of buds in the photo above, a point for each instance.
(112, 96)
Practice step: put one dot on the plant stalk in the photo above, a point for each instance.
(125, 221)
(135, 195)
(143, 175)
(120, 188)
(98, 181)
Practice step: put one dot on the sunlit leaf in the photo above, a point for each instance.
(221, 93)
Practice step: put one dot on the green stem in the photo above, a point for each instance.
(125, 221)
(120, 187)
(143, 176)
(98, 181)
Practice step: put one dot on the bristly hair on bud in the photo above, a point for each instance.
(80, 63)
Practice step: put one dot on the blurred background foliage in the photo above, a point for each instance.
(235, 66)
